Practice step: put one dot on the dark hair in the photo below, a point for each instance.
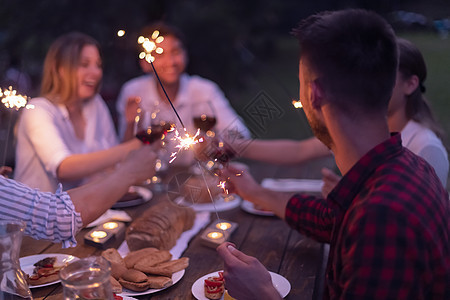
(164, 30)
(411, 63)
(354, 54)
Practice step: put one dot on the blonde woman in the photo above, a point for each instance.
(69, 136)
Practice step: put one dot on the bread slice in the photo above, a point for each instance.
(166, 268)
(153, 259)
(159, 282)
(133, 257)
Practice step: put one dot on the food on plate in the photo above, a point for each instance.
(165, 268)
(195, 189)
(135, 256)
(115, 285)
(45, 271)
(159, 226)
(152, 260)
(214, 286)
(118, 266)
(159, 282)
(134, 280)
(134, 266)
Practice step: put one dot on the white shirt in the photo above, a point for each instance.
(45, 137)
(424, 142)
(193, 89)
(47, 216)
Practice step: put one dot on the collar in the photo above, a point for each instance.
(353, 182)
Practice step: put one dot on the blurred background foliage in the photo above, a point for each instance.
(244, 46)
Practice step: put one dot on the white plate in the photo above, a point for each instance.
(145, 194)
(293, 185)
(281, 284)
(27, 264)
(219, 204)
(250, 208)
(175, 278)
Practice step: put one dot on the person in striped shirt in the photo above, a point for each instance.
(59, 216)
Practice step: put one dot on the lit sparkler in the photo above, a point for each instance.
(184, 142)
(297, 104)
(11, 99)
(150, 45)
(15, 101)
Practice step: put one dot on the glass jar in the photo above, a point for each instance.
(13, 283)
(87, 278)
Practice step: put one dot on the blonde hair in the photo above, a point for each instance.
(59, 78)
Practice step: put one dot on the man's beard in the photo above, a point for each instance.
(320, 131)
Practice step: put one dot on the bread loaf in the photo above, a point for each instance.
(195, 189)
(159, 226)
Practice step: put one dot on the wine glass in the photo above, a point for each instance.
(204, 117)
(150, 128)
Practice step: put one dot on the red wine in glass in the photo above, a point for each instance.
(204, 122)
(151, 134)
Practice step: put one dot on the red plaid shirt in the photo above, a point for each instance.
(387, 222)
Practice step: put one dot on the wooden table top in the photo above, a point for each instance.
(282, 250)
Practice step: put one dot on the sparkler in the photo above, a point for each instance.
(15, 101)
(297, 104)
(184, 141)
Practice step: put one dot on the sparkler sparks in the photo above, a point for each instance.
(11, 99)
(150, 45)
(297, 104)
(184, 142)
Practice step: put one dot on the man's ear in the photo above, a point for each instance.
(316, 95)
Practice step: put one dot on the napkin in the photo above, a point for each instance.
(201, 220)
(293, 185)
(110, 215)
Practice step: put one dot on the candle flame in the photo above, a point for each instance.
(11, 99)
(215, 235)
(110, 225)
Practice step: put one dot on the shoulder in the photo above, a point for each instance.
(196, 82)
(417, 134)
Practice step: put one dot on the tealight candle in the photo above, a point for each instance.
(104, 235)
(215, 235)
(223, 225)
(110, 225)
(98, 234)
(218, 232)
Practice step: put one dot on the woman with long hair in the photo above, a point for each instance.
(69, 136)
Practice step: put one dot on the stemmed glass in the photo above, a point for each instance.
(204, 117)
(150, 128)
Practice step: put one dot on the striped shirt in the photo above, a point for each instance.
(387, 222)
(47, 216)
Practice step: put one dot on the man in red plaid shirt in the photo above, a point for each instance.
(387, 221)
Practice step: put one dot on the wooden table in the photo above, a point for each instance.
(282, 250)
